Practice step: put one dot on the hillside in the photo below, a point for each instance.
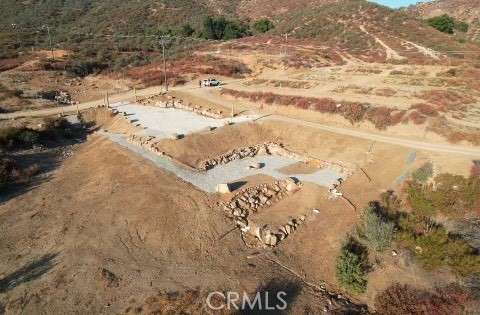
(463, 10)
(360, 27)
(371, 30)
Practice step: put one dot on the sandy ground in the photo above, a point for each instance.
(107, 208)
(91, 215)
(108, 228)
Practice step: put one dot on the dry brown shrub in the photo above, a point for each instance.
(408, 300)
(385, 92)
(417, 118)
(425, 109)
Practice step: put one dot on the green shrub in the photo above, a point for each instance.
(7, 137)
(443, 23)
(28, 137)
(262, 26)
(186, 30)
(423, 173)
(436, 249)
(461, 26)
(377, 231)
(18, 137)
(221, 28)
(234, 30)
(350, 267)
(13, 93)
(447, 24)
(452, 194)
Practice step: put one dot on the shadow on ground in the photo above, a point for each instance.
(47, 161)
(29, 272)
(269, 295)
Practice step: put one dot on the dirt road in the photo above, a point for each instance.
(210, 95)
(421, 145)
(115, 98)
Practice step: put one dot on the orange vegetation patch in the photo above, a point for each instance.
(153, 74)
(354, 112)
(446, 100)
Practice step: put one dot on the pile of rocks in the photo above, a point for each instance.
(255, 198)
(271, 148)
(235, 154)
(271, 237)
(147, 143)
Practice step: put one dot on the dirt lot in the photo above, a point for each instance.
(109, 229)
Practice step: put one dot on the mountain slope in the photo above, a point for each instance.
(356, 26)
(464, 10)
(368, 28)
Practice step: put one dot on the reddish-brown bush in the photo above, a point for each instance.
(354, 112)
(385, 92)
(325, 105)
(408, 300)
(425, 109)
(382, 117)
(417, 118)
(446, 100)
(456, 136)
(303, 104)
(12, 173)
(475, 170)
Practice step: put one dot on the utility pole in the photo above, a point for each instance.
(285, 50)
(50, 41)
(135, 91)
(162, 42)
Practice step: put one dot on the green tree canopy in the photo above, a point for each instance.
(447, 24)
(262, 26)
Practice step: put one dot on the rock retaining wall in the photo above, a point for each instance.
(271, 148)
(147, 143)
(176, 103)
(253, 199)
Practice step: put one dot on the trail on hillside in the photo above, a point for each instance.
(391, 53)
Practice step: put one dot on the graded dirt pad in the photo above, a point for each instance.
(107, 209)
(110, 230)
(300, 203)
(195, 148)
(101, 117)
(299, 168)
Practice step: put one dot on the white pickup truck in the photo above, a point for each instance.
(211, 82)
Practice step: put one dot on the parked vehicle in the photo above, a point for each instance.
(211, 82)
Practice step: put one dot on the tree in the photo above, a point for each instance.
(262, 26)
(377, 231)
(220, 28)
(234, 30)
(214, 28)
(443, 23)
(186, 30)
(350, 267)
